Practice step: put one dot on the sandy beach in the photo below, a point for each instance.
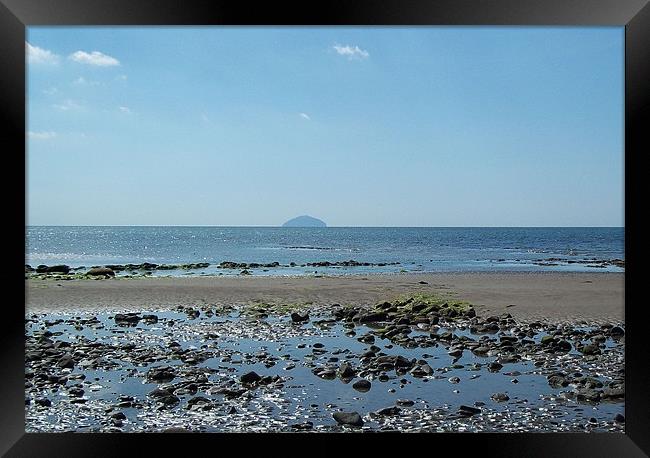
(554, 297)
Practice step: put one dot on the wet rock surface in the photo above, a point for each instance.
(414, 364)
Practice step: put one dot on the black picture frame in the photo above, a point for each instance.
(16, 15)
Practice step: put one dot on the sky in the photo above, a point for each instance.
(386, 126)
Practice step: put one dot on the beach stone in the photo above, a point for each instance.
(66, 361)
(591, 349)
(456, 352)
(250, 378)
(494, 366)
(101, 271)
(346, 371)
(547, 340)
(62, 269)
(619, 418)
(44, 402)
(500, 397)
(303, 426)
(298, 318)
(613, 393)
(130, 319)
(362, 385)
(468, 411)
(372, 317)
(563, 345)
(616, 331)
(557, 381)
(348, 418)
(389, 411)
(161, 374)
(150, 319)
(404, 402)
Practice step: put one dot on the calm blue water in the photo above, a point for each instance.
(416, 249)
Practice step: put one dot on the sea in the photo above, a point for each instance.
(402, 249)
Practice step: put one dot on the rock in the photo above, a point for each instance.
(106, 271)
(76, 391)
(619, 418)
(454, 379)
(119, 416)
(494, 366)
(150, 319)
(161, 374)
(43, 402)
(480, 350)
(66, 361)
(500, 397)
(372, 317)
(348, 418)
(298, 318)
(159, 393)
(303, 426)
(250, 378)
(389, 411)
(547, 340)
(456, 352)
(614, 393)
(557, 381)
(563, 345)
(62, 269)
(404, 402)
(468, 411)
(346, 371)
(127, 319)
(591, 349)
(616, 331)
(362, 385)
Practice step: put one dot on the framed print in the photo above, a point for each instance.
(286, 221)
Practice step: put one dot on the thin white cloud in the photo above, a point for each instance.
(305, 116)
(41, 135)
(351, 52)
(94, 58)
(204, 118)
(36, 55)
(126, 110)
(50, 91)
(67, 105)
(81, 81)
(120, 78)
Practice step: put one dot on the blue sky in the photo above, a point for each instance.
(420, 126)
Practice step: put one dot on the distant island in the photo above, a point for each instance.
(304, 221)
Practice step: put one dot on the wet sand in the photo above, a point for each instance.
(553, 297)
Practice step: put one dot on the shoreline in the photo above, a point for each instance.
(590, 297)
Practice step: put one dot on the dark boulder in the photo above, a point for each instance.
(348, 418)
(298, 318)
(250, 378)
(467, 411)
(105, 271)
(60, 269)
(362, 385)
